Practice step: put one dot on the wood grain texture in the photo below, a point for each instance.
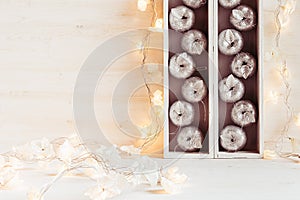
(44, 43)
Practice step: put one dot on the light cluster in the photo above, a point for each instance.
(108, 167)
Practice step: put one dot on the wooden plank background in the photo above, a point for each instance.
(44, 43)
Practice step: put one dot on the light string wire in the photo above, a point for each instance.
(280, 15)
(81, 161)
(76, 163)
(150, 139)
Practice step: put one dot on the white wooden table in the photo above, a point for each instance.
(208, 179)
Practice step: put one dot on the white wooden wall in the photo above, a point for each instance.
(43, 44)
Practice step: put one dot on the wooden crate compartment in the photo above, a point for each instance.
(253, 85)
(204, 70)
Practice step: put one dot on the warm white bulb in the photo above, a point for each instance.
(284, 19)
(159, 23)
(297, 120)
(142, 5)
(290, 6)
(157, 98)
(287, 8)
(269, 155)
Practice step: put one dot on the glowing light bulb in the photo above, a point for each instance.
(290, 6)
(286, 9)
(157, 98)
(142, 5)
(284, 19)
(274, 97)
(159, 23)
(269, 155)
(297, 120)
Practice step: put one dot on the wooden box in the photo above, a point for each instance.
(212, 66)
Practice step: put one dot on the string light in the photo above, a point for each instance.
(73, 154)
(282, 16)
(269, 155)
(287, 7)
(297, 120)
(142, 5)
(159, 23)
(157, 99)
(156, 24)
(274, 97)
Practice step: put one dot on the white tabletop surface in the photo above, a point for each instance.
(208, 179)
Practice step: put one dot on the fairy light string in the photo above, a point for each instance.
(73, 156)
(282, 15)
(146, 41)
(156, 123)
